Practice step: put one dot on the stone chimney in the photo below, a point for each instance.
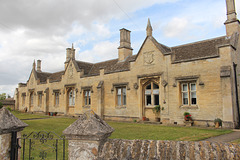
(149, 28)
(232, 23)
(125, 49)
(34, 65)
(39, 66)
(70, 54)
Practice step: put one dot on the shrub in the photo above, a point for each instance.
(1, 105)
(8, 108)
(156, 109)
(218, 120)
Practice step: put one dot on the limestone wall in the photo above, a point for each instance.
(148, 149)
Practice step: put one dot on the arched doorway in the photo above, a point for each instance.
(150, 97)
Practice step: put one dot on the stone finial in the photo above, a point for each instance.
(89, 126)
(9, 123)
(149, 28)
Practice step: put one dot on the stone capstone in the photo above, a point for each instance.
(89, 126)
(9, 123)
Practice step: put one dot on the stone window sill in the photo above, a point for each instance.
(189, 107)
(71, 106)
(121, 107)
(86, 106)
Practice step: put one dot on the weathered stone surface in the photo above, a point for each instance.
(174, 150)
(5, 141)
(89, 126)
(9, 123)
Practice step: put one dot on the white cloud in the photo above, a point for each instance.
(101, 51)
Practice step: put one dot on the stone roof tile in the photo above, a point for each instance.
(198, 50)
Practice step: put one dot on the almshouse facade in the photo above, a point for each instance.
(200, 78)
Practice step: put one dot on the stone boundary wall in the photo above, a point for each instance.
(116, 149)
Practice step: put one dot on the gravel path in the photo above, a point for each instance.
(226, 137)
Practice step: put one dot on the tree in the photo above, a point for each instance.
(3, 96)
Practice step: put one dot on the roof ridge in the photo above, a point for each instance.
(202, 41)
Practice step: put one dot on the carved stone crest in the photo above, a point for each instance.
(148, 57)
(70, 71)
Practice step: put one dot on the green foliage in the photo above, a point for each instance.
(3, 96)
(156, 109)
(1, 105)
(218, 120)
(186, 113)
(10, 109)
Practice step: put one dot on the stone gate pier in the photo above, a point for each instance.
(88, 140)
(10, 127)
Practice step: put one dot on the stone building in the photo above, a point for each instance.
(200, 78)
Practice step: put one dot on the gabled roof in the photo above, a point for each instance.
(42, 76)
(56, 77)
(110, 66)
(199, 50)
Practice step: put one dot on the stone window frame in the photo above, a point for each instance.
(188, 80)
(40, 95)
(152, 82)
(85, 89)
(71, 97)
(56, 93)
(115, 88)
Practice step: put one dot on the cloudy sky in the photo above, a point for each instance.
(43, 29)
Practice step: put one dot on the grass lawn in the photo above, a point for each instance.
(123, 130)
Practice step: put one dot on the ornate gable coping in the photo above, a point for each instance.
(149, 75)
(31, 90)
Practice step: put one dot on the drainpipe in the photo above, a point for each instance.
(236, 91)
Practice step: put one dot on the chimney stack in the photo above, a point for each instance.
(232, 23)
(125, 49)
(70, 54)
(39, 66)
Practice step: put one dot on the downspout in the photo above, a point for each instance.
(236, 92)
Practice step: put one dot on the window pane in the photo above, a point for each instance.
(193, 98)
(148, 100)
(193, 87)
(124, 100)
(149, 86)
(119, 92)
(155, 86)
(119, 100)
(89, 93)
(147, 91)
(86, 93)
(89, 101)
(185, 98)
(124, 91)
(184, 87)
(156, 91)
(156, 99)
